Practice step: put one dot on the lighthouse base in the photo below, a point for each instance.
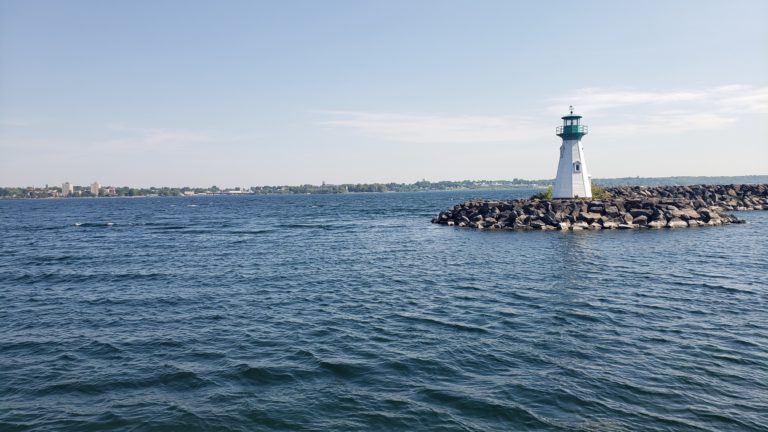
(573, 180)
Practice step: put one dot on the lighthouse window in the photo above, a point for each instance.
(577, 167)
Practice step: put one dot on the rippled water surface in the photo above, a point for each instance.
(353, 312)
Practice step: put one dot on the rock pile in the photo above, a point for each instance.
(630, 208)
(726, 197)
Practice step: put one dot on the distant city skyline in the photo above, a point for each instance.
(247, 93)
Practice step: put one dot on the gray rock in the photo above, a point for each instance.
(641, 212)
(690, 213)
(657, 224)
(550, 219)
(537, 224)
(612, 211)
(677, 223)
(589, 217)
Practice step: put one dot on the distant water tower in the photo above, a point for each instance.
(573, 179)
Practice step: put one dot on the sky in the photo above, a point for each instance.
(246, 93)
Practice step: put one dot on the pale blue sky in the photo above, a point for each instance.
(240, 93)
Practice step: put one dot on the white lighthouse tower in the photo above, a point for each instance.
(573, 179)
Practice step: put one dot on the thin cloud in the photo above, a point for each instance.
(732, 99)
(163, 136)
(753, 102)
(433, 128)
(595, 99)
(668, 122)
(619, 110)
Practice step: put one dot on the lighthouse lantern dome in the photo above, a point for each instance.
(572, 129)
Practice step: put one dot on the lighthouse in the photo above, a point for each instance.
(573, 180)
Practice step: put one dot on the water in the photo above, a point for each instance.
(353, 312)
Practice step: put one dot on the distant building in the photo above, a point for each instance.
(67, 189)
(95, 188)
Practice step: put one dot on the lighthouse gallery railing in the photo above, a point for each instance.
(573, 129)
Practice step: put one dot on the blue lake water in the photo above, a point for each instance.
(354, 312)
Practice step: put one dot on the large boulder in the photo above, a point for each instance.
(660, 223)
(537, 224)
(677, 223)
(612, 211)
(581, 225)
(689, 213)
(589, 217)
(637, 212)
(550, 219)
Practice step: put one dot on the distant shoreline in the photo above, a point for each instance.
(479, 189)
(55, 192)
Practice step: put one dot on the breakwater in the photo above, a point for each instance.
(627, 208)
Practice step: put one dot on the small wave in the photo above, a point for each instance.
(344, 369)
(167, 227)
(313, 226)
(485, 408)
(726, 288)
(252, 232)
(266, 374)
(177, 379)
(94, 224)
(452, 325)
(583, 316)
(100, 348)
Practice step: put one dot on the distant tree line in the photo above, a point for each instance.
(423, 185)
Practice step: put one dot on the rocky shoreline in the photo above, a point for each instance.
(627, 208)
